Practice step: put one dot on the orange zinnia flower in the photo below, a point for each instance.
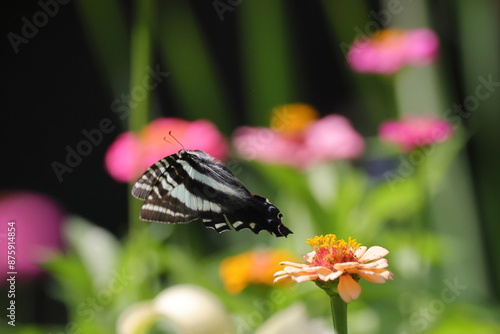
(256, 266)
(332, 259)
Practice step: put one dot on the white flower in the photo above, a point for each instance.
(188, 309)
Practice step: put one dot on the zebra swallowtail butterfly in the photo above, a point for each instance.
(192, 185)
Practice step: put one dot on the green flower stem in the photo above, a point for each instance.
(140, 61)
(339, 313)
(339, 306)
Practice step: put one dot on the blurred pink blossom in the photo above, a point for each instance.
(132, 153)
(329, 138)
(37, 223)
(411, 132)
(390, 49)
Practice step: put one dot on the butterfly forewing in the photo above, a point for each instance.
(192, 185)
(144, 186)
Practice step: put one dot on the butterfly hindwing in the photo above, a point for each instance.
(259, 214)
(192, 185)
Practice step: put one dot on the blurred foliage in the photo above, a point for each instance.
(426, 215)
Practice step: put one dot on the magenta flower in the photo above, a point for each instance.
(35, 223)
(390, 49)
(131, 153)
(329, 138)
(411, 132)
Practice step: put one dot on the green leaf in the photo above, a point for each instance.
(385, 202)
(74, 282)
(196, 83)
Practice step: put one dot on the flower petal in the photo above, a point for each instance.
(332, 276)
(345, 266)
(304, 278)
(332, 138)
(380, 263)
(292, 269)
(123, 158)
(413, 131)
(295, 264)
(309, 257)
(279, 278)
(348, 288)
(360, 251)
(280, 273)
(326, 274)
(373, 253)
(376, 275)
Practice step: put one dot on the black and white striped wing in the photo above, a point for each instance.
(192, 185)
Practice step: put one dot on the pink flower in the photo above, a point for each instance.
(32, 224)
(333, 138)
(390, 49)
(412, 132)
(131, 154)
(329, 138)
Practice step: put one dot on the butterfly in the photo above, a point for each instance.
(192, 185)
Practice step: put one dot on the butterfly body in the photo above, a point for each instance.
(192, 185)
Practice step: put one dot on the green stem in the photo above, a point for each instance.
(339, 313)
(269, 76)
(140, 61)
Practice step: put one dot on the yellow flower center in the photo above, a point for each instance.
(292, 119)
(330, 251)
(389, 38)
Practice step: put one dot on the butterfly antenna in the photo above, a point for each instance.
(165, 139)
(171, 135)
